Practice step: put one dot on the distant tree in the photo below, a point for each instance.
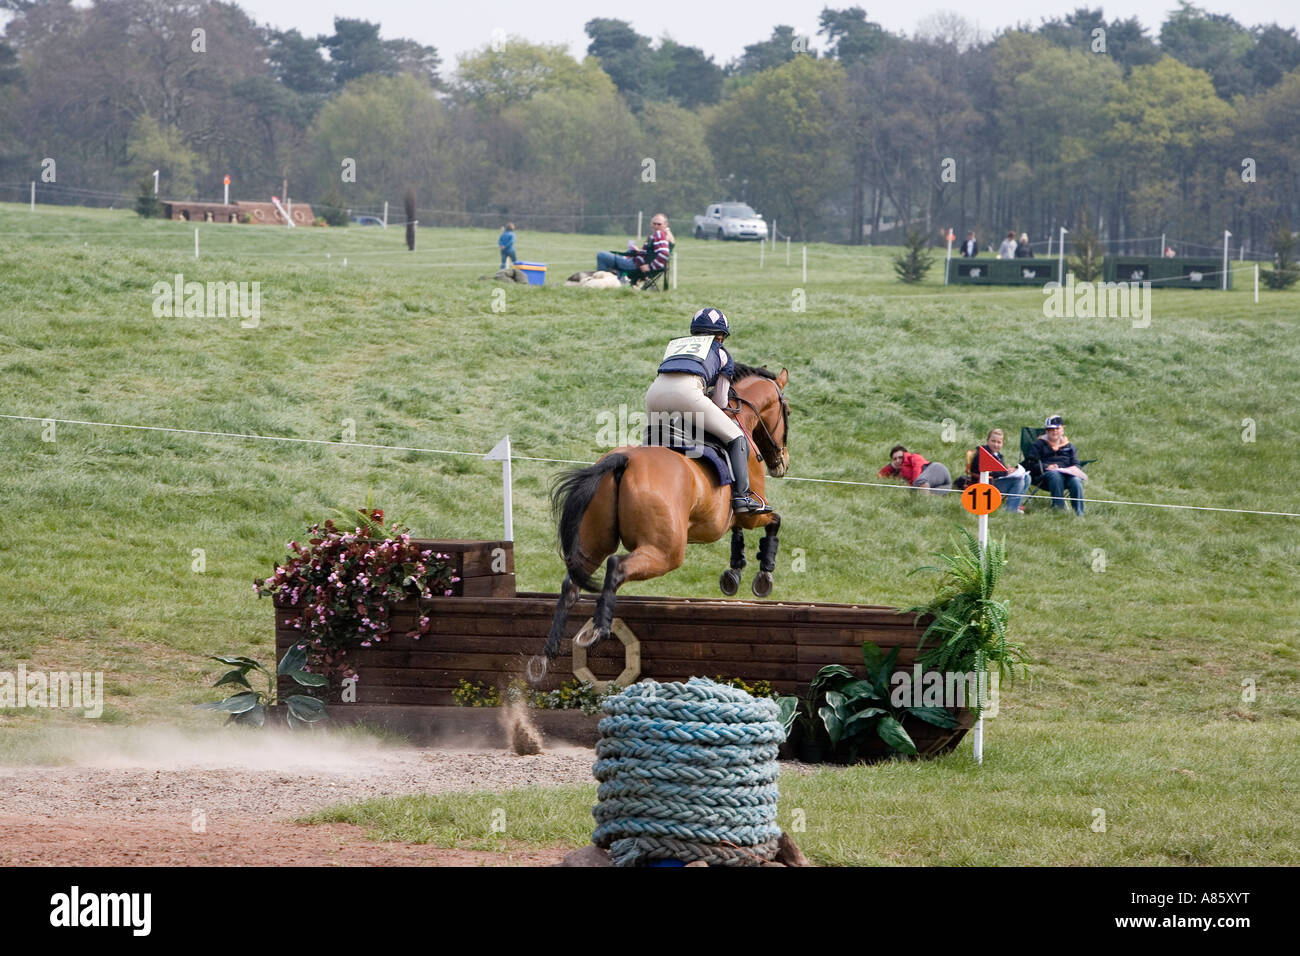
(1087, 261)
(297, 62)
(780, 134)
(685, 177)
(1074, 31)
(356, 50)
(1285, 272)
(1127, 42)
(154, 146)
(494, 79)
(852, 37)
(623, 54)
(770, 53)
(686, 74)
(1213, 42)
(1275, 54)
(147, 205)
(914, 261)
(415, 59)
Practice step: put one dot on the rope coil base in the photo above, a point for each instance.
(688, 772)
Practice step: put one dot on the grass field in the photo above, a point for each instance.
(1138, 668)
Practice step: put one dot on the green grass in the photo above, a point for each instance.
(101, 523)
(1162, 794)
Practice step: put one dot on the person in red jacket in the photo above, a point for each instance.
(916, 471)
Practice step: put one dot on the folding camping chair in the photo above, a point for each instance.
(655, 278)
(1029, 435)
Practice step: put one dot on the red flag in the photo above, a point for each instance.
(988, 463)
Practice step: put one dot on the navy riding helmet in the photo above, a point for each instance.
(709, 321)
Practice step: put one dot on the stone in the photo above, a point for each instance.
(589, 855)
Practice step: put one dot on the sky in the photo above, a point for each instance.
(720, 29)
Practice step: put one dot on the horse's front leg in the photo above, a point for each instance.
(767, 546)
(730, 580)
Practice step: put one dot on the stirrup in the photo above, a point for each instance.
(751, 503)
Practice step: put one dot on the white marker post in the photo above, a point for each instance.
(33, 207)
(501, 453)
(1257, 283)
(675, 255)
(639, 213)
(977, 732)
(1162, 245)
(1226, 236)
(1060, 258)
(787, 250)
(155, 182)
(225, 194)
(196, 242)
(385, 213)
(948, 260)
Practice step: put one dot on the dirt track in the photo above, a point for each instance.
(116, 807)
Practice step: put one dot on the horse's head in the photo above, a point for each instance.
(764, 410)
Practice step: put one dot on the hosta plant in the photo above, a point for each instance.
(249, 705)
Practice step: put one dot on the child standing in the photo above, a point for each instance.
(507, 244)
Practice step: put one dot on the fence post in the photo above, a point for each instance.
(33, 209)
(385, 213)
(805, 264)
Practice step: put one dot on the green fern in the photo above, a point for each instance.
(969, 627)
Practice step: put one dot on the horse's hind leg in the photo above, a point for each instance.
(568, 594)
(730, 580)
(639, 564)
(767, 546)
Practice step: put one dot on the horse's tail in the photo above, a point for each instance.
(570, 498)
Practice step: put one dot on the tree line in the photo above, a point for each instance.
(850, 135)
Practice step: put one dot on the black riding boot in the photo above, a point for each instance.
(742, 499)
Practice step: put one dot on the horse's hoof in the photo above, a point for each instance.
(587, 635)
(729, 582)
(536, 668)
(762, 585)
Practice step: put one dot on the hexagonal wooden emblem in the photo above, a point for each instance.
(631, 655)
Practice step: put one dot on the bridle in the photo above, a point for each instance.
(773, 448)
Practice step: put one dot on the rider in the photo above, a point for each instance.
(690, 365)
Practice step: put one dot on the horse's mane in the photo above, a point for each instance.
(746, 371)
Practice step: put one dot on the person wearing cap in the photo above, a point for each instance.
(691, 365)
(1054, 464)
(916, 471)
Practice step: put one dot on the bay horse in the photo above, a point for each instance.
(654, 501)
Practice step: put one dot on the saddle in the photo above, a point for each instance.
(670, 434)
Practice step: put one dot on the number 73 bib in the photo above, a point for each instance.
(689, 347)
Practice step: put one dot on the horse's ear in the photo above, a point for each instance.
(782, 379)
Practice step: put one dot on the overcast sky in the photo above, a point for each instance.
(720, 29)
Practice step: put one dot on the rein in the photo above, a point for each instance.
(772, 447)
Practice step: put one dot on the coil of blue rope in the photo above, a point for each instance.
(687, 772)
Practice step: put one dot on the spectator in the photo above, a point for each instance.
(916, 471)
(507, 244)
(1053, 460)
(1008, 248)
(1013, 484)
(970, 249)
(1022, 247)
(653, 257)
(1169, 252)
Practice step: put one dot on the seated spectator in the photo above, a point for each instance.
(916, 471)
(1054, 464)
(1012, 484)
(1008, 248)
(507, 244)
(653, 257)
(1022, 247)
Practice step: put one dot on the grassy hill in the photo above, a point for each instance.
(102, 523)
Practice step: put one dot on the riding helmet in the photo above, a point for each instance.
(709, 321)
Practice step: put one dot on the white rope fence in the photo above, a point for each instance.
(574, 461)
